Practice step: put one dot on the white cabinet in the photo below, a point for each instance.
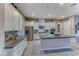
(15, 19)
(21, 23)
(1, 51)
(9, 21)
(8, 17)
(18, 50)
(36, 36)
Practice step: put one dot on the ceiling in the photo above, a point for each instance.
(48, 10)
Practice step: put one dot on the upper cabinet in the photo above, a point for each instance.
(13, 19)
(8, 17)
(21, 23)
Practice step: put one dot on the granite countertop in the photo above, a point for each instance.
(56, 37)
(12, 43)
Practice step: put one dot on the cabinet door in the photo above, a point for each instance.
(8, 17)
(1, 51)
(15, 19)
(21, 23)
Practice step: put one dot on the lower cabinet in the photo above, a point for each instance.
(36, 36)
(17, 50)
(1, 52)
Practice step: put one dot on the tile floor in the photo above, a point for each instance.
(34, 49)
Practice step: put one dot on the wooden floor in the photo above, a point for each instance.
(34, 49)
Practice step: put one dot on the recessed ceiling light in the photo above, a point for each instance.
(61, 3)
(33, 14)
(49, 15)
(62, 16)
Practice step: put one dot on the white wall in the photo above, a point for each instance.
(27, 23)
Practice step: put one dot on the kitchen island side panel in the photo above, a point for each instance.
(48, 44)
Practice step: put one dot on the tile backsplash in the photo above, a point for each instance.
(9, 34)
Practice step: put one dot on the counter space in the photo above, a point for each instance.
(12, 43)
(56, 37)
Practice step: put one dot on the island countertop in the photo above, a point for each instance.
(56, 37)
(12, 43)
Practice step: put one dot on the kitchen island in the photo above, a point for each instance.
(55, 42)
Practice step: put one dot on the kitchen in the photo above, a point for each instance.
(46, 23)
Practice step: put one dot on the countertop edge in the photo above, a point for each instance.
(57, 37)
